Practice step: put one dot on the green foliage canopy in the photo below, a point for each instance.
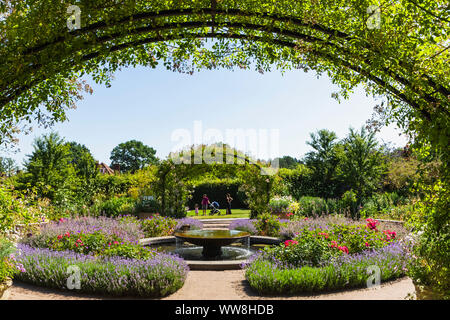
(133, 155)
(404, 58)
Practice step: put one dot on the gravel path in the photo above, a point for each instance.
(224, 285)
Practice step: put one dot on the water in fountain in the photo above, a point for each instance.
(213, 245)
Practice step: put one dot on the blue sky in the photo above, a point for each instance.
(149, 104)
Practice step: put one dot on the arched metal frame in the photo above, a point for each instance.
(288, 35)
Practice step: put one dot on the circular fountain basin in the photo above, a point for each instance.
(212, 241)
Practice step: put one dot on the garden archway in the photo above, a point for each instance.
(395, 50)
(398, 49)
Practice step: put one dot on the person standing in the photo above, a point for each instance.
(205, 203)
(229, 199)
(196, 209)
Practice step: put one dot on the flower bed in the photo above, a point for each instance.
(160, 275)
(107, 253)
(268, 275)
(326, 254)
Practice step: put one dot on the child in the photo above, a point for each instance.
(196, 209)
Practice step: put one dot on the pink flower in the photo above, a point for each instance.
(372, 224)
(367, 244)
(344, 249)
(287, 243)
(116, 242)
(334, 244)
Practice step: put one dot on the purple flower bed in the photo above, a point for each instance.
(124, 228)
(268, 275)
(290, 229)
(160, 275)
(193, 223)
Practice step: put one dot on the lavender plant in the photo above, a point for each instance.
(158, 276)
(126, 229)
(272, 276)
(194, 224)
(247, 225)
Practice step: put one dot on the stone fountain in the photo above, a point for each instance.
(212, 241)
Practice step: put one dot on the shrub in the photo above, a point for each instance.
(7, 266)
(247, 225)
(350, 201)
(267, 225)
(97, 243)
(15, 210)
(310, 250)
(147, 205)
(118, 206)
(312, 206)
(347, 271)
(339, 232)
(158, 276)
(284, 204)
(124, 228)
(158, 226)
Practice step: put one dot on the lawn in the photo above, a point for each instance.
(235, 213)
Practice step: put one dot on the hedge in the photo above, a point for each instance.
(216, 191)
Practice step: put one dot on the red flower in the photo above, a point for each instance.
(324, 234)
(60, 237)
(287, 243)
(390, 234)
(344, 249)
(67, 234)
(372, 224)
(334, 244)
(79, 240)
(367, 244)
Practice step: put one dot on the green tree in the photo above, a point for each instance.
(8, 166)
(133, 155)
(288, 162)
(83, 161)
(49, 169)
(323, 161)
(362, 163)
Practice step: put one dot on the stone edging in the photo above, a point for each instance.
(391, 221)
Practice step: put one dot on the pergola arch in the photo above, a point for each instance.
(344, 48)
